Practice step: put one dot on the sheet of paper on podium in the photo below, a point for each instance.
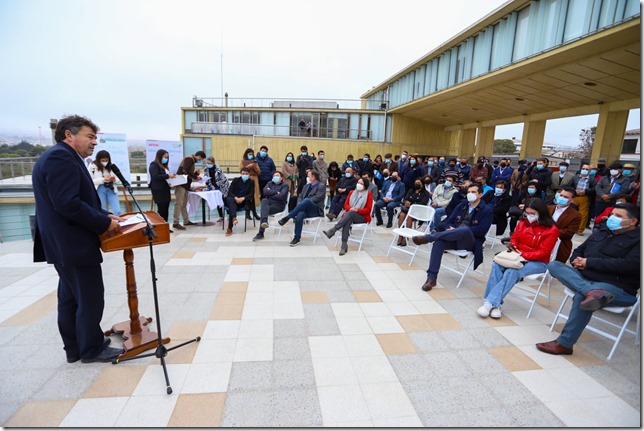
(178, 180)
(132, 220)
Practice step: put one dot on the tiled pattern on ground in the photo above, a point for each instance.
(303, 337)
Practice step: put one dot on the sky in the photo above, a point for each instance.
(131, 65)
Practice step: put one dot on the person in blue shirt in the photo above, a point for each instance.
(503, 172)
(267, 168)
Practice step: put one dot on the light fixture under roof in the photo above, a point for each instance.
(519, 99)
(590, 84)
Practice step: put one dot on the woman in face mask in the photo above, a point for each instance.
(217, 180)
(248, 161)
(159, 174)
(101, 171)
(516, 212)
(357, 209)
(535, 238)
(290, 171)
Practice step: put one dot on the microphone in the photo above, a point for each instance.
(116, 171)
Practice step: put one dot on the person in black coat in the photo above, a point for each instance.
(159, 187)
(303, 162)
(240, 193)
(501, 200)
(69, 220)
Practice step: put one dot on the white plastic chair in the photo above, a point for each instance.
(311, 226)
(274, 218)
(469, 256)
(417, 212)
(536, 293)
(615, 310)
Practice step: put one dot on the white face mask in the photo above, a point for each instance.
(471, 197)
(321, 157)
(359, 187)
(532, 217)
(614, 172)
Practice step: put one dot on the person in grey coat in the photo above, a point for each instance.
(310, 203)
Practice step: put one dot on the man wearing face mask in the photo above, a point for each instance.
(451, 171)
(479, 170)
(464, 168)
(240, 193)
(441, 198)
(562, 178)
(391, 195)
(350, 163)
(633, 189)
(605, 271)
(388, 164)
(267, 168)
(365, 165)
(503, 172)
(539, 171)
(518, 181)
(274, 201)
(567, 220)
(304, 161)
(321, 167)
(465, 229)
(345, 185)
(602, 170)
(584, 185)
(610, 187)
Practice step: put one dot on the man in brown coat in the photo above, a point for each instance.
(567, 219)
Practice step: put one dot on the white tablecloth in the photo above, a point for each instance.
(212, 197)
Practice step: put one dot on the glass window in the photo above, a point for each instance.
(443, 71)
(282, 123)
(376, 127)
(192, 145)
(577, 19)
(337, 126)
(189, 118)
(521, 34)
(630, 145)
(354, 126)
(632, 8)
(482, 51)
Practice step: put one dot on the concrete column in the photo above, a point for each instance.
(609, 137)
(532, 139)
(484, 142)
(462, 142)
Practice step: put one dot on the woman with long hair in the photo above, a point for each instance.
(534, 238)
(218, 180)
(248, 161)
(334, 177)
(101, 171)
(159, 174)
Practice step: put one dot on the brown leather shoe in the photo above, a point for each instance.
(596, 299)
(554, 348)
(429, 284)
(229, 232)
(178, 226)
(420, 239)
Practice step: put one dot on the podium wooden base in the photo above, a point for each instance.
(133, 344)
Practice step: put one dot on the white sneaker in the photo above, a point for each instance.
(495, 313)
(485, 309)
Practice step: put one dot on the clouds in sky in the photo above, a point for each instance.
(131, 65)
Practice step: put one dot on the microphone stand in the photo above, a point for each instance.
(161, 351)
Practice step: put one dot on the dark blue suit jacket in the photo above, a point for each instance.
(397, 194)
(481, 221)
(69, 217)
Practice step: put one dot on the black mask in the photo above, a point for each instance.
(417, 186)
(600, 166)
(427, 182)
(451, 166)
(394, 179)
(502, 165)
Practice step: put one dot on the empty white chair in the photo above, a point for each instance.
(419, 213)
(535, 294)
(615, 310)
(311, 226)
(462, 269)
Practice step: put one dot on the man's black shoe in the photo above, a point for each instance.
(295, 242)
(379, 223)
(258, 237)
(282, 221)
(389, 224)
(106, 342)
(107, 355)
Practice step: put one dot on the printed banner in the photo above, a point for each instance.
(174, 149)
(116, 145)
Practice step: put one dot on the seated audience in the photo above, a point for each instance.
(567, 220)
(501, 201)
(241, 193)
(440, 199)
(417, 196)
(310, 203)
(345, 185)
(274, 201)
(393, 191)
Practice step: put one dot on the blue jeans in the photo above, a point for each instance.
(460, 238)
(439, 212)
(109, 196)
(305, 209)
(578, 318)
(391, 206)
(502, 280)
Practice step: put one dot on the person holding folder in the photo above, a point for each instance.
(159, 174)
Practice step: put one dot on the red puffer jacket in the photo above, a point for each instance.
(366, 211)
(534, 241)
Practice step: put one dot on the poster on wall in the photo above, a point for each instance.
(174, 149)
(116, 145)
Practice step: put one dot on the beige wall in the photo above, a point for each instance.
(418, 136)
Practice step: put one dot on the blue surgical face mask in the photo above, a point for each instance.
(498, 191)
(584, 171)
(562, 168)
(210, 165)
(164, 160)
(561, 201)
(387, 160)
(348, 174)
(276, 180)
(430, 163)
(532, 191)
(289, 159)
(626, 172)
(614, 223)
(244, 177)
(304, 154)
(412, 162)
(442, 162)
(593, 171)
(539, 167)
(250, 157)
(448, 184)
(262, 153)
(350, 162)
(365, 159)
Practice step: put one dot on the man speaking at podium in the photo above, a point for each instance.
(69, 220)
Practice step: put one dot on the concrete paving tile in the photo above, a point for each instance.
(386, 400)
(39, 414)
(322, 326)
(251, 376)
(296, 408)
(410, 368)
(206, 378)
(248, 409)
(341, 404)
(295, 373)
(147, 411)
(289, 328)
(198, 410)
(118, 381)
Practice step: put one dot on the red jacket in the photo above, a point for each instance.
(534, 241)
(366, 211)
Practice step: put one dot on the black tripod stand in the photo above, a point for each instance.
(161, 351)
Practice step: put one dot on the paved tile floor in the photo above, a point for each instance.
(303, 337)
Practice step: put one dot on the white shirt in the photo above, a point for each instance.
(558, 212)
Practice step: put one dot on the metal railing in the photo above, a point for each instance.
(292, 103)
(16, 167)
(308, 131)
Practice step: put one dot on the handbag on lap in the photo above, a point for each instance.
(509, 259)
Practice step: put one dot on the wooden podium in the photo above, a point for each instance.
(136, 334)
